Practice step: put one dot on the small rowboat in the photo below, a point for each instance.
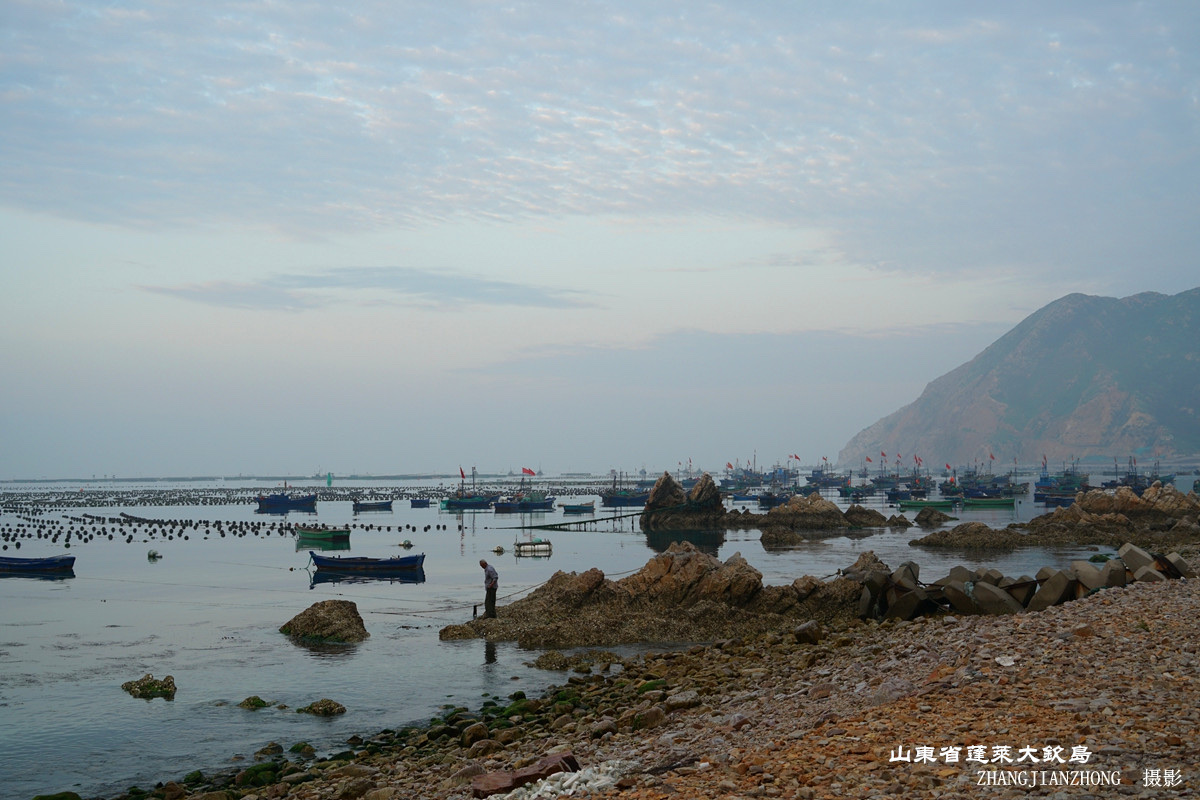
(940, 504)
(322, 534)
(372, 505)
(280, 502)
(364, 564)
(37, 566)
(418, 502)
(579, 508)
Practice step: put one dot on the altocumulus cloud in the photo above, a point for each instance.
(402, 285)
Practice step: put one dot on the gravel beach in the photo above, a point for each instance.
(1093, 698)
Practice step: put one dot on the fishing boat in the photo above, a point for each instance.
(918, 504)
(620, 497)
(989, 502)
(468, 502)
(321, 533)
(506, 505)
(361, 564)
(579, 508)
(418, 502)
(37, 566)
(462, 500)
(283, 502)
(372, 505)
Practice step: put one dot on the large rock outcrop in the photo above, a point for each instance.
(334, 621)
(682, 595)
(669, 508)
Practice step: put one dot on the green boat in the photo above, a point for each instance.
(988, 502)
(322, 534)
(910, 504)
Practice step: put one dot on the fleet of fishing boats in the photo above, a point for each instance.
(915, 490)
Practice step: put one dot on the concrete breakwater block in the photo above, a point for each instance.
(901, 595)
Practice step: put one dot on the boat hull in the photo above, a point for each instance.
(372, 505)
(37, 566)
(362, 564)
(284, 502)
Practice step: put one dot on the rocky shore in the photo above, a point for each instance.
(795, 696)
(1098, 690)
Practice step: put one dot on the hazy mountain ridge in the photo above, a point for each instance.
(1083, 376)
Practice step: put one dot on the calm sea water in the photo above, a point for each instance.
(208, 612)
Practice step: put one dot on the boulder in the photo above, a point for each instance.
(932, 518)
(147, 687)
(667, 493)
(808, 513)
(859, 517)
(328, 621)
(668, 508)
(705, 496)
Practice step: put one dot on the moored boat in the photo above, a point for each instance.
(321, 533)
(282, 501)
(357, 564)
(418, 502)
(372, 505)
(989, 502)
(37, 566)
(579, 508)
(938, 504)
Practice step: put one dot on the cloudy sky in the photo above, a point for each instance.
(277, 238)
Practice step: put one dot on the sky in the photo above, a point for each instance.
(378, 238)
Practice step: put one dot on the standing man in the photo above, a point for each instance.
(490, 581)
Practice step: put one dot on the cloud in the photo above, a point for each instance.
(406, 286)
(899, 127)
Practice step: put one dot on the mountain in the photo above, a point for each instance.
(1083, 377)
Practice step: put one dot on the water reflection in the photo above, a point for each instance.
(41, 576)
(489, 652)
(326, 650)
(303, 544)
(374, 576)
(706, 541)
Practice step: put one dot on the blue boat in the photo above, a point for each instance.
(37, 566)
(282, 501)
(363, 564)
(372, 505)
(419, 502)
(579, 508)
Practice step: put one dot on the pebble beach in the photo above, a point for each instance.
(1093, 698)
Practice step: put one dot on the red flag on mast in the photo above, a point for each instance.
(869, 461)
(882, 454)
(527, 471)
(463, 474)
